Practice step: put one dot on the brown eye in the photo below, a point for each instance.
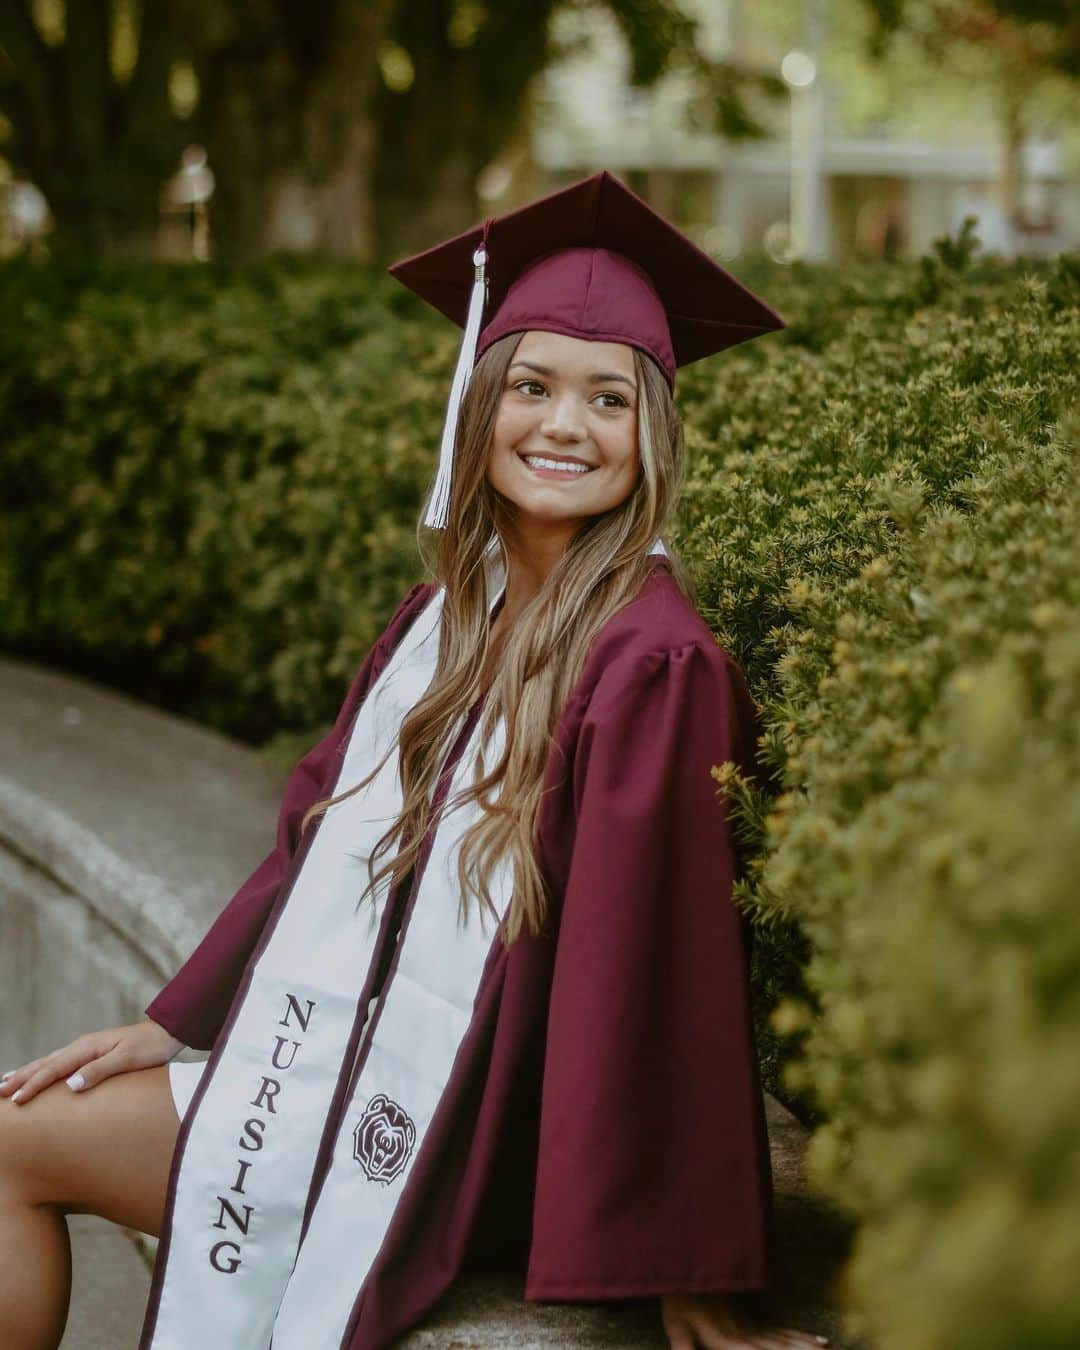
(529, 386)
(620, 402)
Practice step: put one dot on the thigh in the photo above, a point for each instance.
(104, 1151)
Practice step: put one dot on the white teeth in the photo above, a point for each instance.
(563, 467)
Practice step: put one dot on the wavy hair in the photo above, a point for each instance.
(602, 569)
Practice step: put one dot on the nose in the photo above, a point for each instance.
(563, 419)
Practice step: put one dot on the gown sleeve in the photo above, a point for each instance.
(194, 1004)
(653, 1173)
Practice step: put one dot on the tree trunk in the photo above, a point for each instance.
(331, 217)
(99, 151)
(465, 105)
(285, 118)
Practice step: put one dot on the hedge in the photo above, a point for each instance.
(904, 576)
(215, 484)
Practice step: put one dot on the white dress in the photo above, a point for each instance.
(184, 1079)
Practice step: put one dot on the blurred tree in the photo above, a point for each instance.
(1037, 32)
(285, 112)
(1023, 43)
(455, 98)
(88, 118)
(457, 75)
(311, 115)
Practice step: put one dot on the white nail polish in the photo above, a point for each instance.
(10, 1074)
(75, 1082)
(16, 1095)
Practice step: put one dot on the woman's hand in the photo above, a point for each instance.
(92, 1058)
(692, 1321)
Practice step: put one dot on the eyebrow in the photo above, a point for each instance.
(599, 377)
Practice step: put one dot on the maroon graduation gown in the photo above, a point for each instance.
(603, 1130)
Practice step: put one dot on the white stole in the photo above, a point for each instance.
(235, 1272)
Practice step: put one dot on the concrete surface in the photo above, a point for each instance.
(123, 831)
(109, 1283)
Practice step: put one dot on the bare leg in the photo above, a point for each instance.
(104, 1151)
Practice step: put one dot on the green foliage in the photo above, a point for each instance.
(884, 528)
(216, 481)
(929, 851)
(947, 1052)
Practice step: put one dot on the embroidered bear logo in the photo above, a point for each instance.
(383, 1139)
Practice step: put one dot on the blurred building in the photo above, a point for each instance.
(871, 194)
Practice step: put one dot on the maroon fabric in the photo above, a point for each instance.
(706, 309)
(603, 1131)
(652, 1175)
(588, 293)
(194, 1004)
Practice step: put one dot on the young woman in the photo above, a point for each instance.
(484, 1005)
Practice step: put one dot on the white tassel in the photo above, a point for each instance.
(439, 503)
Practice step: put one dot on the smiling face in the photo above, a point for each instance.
(565, 442)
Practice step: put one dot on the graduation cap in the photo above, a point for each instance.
(592, 261)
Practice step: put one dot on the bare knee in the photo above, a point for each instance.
(104, 1151)
(21, 1149)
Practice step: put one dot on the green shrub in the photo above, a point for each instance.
(931, 856)
(888, 536)
(947, 1049)
(214, 486)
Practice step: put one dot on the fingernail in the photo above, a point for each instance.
(16, 1095)
(10, 1074)
(75, 1082)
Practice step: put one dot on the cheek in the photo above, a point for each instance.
(505, 435)
(512, 421)
(622, 446)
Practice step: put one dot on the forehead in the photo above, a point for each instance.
(573, 355)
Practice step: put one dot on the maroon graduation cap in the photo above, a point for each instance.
(592, 261)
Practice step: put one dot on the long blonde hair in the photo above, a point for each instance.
(602, 569)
